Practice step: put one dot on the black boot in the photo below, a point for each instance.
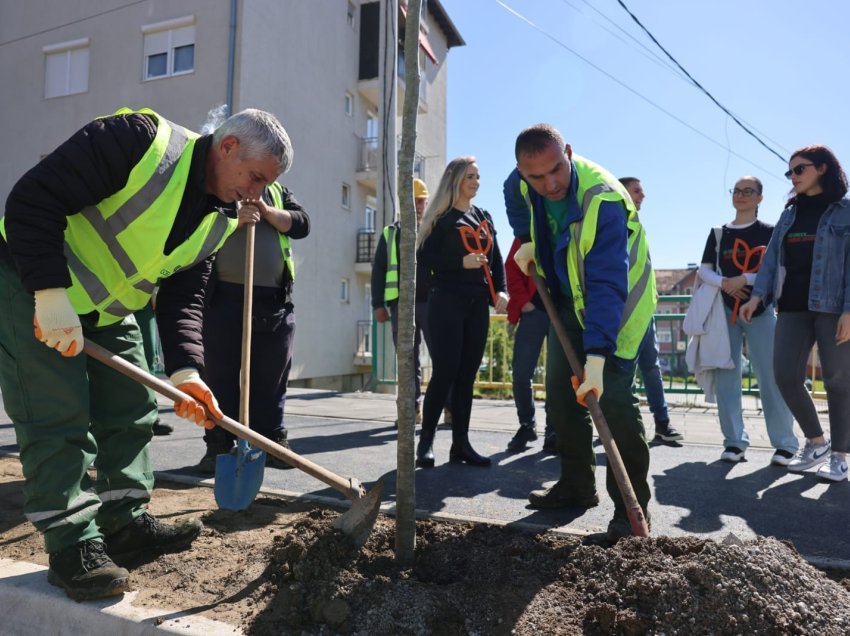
(462, 451)
(425, 450)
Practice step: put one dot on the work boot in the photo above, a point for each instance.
(618, 528)
(558, 497)
(161, 428)
(425, 450)
(85, 572)
(207, 464)
(276, 462)
(147, 535)
(524, 434)
(462, 452)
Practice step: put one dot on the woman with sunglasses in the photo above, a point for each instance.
(457, 243)
(732, 267)
(806, 270)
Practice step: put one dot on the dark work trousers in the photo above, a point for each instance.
(421, 332)
(272, 334)
(418, 327)
(70, 414)
(458, 326)
(796, 334)
(574, 428)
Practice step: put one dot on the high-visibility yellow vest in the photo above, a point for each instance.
(276, 192)
(391, 286)
(115, 249)
(595, 185)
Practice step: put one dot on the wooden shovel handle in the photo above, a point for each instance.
(351, 488)
(247, 304)
(635, 513)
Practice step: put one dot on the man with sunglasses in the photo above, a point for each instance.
(586, 238)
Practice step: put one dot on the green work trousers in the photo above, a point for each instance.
(70, 413)
(574, 428)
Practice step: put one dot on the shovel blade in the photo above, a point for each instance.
(358, 521)
(238, 476)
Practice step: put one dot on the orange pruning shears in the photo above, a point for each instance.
(472, 241)
(747, 267)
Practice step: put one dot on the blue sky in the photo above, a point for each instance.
(780, 66)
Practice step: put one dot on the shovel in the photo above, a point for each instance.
(238, 477)
(356, 523)
(633, 509)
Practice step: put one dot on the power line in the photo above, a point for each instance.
(698, 85)
(96, 15)
(629, 88)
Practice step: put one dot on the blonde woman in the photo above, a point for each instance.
(457, 242)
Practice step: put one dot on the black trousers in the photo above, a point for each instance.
(458, 328)
(272, 335)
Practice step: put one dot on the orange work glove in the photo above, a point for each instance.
(593, 368)
(56, 323)
(204, 404)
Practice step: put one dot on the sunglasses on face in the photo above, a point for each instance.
(746, 192)
(798, 169)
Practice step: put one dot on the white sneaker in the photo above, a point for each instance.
(810, 456)
(732, 454)
(835, 470)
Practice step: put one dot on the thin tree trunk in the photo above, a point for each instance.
(405, 540)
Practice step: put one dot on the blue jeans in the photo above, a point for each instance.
(647, 362)
(530, 334)
(780, 424)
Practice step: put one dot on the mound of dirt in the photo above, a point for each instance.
(281, 568)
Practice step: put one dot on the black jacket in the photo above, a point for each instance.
(90, 166)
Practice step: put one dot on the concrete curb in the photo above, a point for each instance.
(26, 594)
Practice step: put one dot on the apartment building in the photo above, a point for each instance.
(314, 63)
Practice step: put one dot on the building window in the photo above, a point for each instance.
(349, 104)
(352, 12)
(369, 216)
(344, 290)
(169, 48)
(66, 68)
(346, 196)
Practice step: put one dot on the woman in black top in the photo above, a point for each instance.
(458, 307)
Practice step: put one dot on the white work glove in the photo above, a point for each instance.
(195, 410)
(592, 379)
(502, 300)
(524, 256)
(56, 323)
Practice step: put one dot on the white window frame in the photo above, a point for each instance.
(345, 196)
(60, 62)
(166, 37)
(370, 213)
(349, 104)
(344, 290)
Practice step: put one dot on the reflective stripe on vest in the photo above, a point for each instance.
(595, 185)
(276, 192)
(391, 286)
(115, 249)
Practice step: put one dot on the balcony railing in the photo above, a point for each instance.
(366, 242)
(368, 155)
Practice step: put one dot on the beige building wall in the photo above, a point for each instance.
(295, 58)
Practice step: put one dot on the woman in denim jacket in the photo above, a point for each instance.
(806, 271)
